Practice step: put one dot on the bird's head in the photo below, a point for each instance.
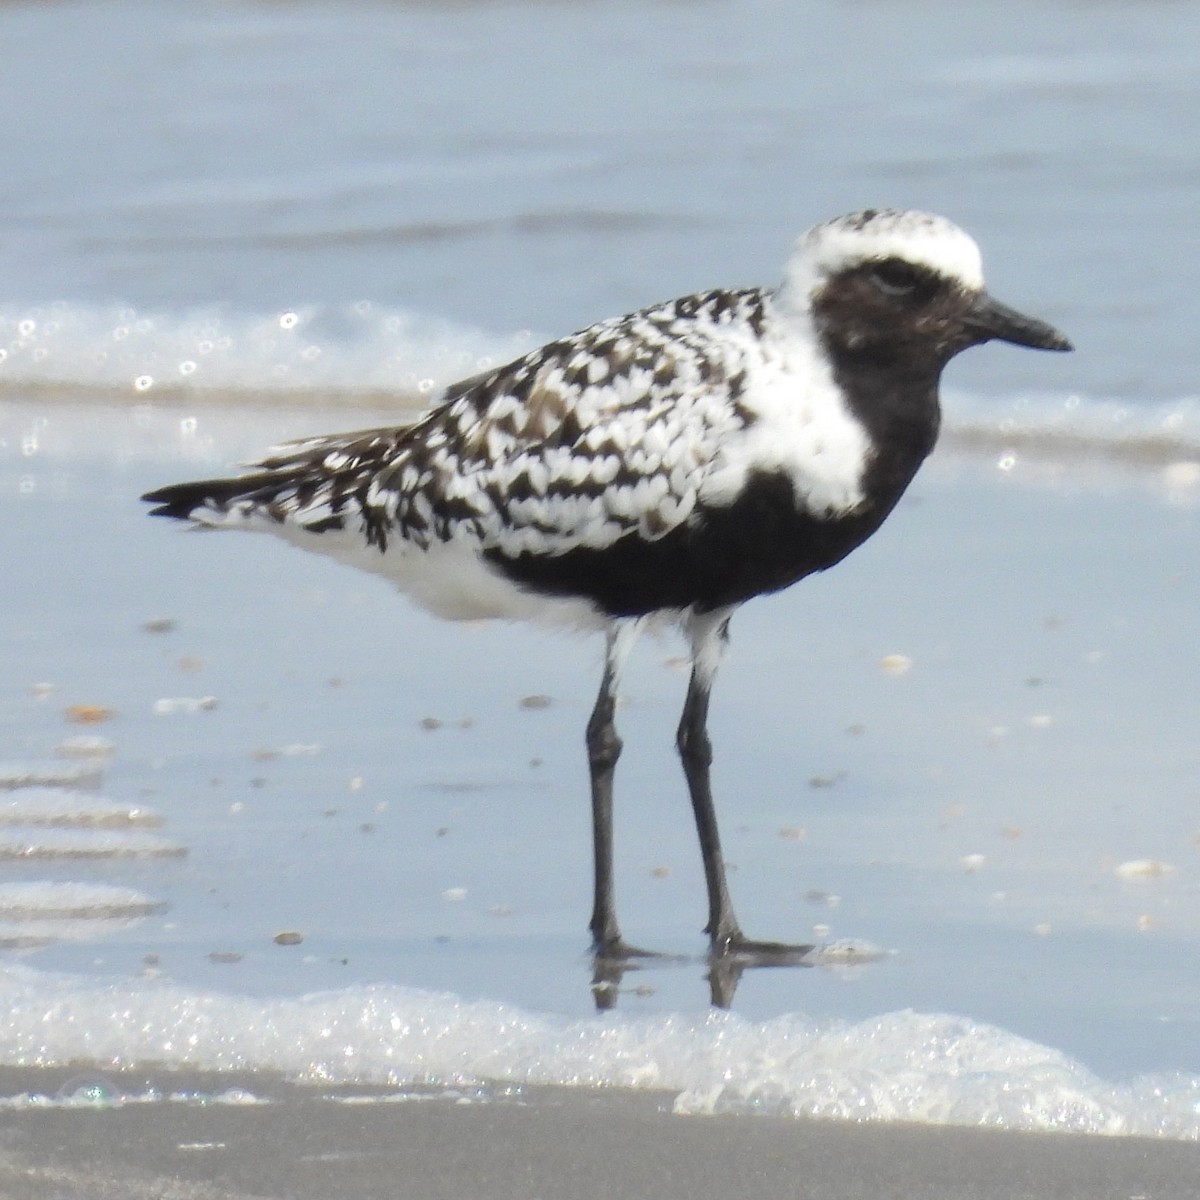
(883, 285)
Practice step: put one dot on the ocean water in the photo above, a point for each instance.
(257, 812)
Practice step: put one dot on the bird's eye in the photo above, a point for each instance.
(894, 277)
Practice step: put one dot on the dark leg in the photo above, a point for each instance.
(709, 633)
(604, 748)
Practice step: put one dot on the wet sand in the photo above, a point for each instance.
(565, 1143)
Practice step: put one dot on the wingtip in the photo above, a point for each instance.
(174, 500)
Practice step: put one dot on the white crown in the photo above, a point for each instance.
(915, 237)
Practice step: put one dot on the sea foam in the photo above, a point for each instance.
(367, 353)
(902, 1066)
(313, 353)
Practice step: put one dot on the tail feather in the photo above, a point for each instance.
(292, 481)
(216, 497)
(307, 481)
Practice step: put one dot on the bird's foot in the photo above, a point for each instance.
(731, 956)
(737, 948)
(618, 950)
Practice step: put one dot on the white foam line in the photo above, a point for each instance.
(362, 349)
(1073, 427)
(64, 808)
(902, 1066)
(38, 900)
(18, 775)
(18, 938)
(39, 934)
(101, 1093)
(71, 843)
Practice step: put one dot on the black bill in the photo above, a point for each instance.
(991, 319)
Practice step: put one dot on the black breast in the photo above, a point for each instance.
(762, 542)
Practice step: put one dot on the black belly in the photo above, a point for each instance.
(762, 542)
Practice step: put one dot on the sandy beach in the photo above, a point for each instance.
(541, 1144)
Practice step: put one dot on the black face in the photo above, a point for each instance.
(891, 312)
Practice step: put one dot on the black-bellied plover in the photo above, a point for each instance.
(676, 461)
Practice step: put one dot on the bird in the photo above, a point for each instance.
(669, 464)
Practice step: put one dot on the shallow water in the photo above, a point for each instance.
(230, 225)
(298, 752)
(538, 166)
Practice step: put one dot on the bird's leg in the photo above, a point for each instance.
(604, 748)
(709, 633)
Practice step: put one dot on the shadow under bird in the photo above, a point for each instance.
(674, 462)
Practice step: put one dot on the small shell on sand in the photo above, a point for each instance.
(88, 714)
(168, 706)
(1143, 868)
